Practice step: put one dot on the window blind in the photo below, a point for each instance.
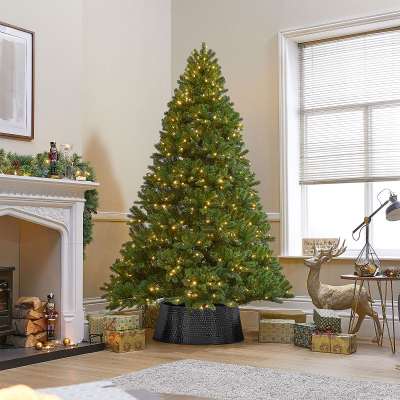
(350, 108)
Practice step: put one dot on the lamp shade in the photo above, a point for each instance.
(393, 211)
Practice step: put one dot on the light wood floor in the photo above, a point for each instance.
(370, 362)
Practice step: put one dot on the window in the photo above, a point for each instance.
(348, 133)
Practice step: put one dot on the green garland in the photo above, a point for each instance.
(39, 166)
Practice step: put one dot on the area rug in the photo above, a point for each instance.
(241, 382)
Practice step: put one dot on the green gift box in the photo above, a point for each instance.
(327, 320)
(303, 334)
(120, 322)
(125, 341)
(276, 331)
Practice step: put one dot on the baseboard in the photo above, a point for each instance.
(249, 314)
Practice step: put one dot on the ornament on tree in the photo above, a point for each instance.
(51, 315)
(199, 235)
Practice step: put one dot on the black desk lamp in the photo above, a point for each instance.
(392, 214)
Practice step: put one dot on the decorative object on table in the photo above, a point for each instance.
(150, 315)
(51, 315)
(337, 297)
(66, 341)
(391, 271)
(54, 156)
(39, 166)
(298, 315)
(79, 176)
(329, 342)
(276, 331)
(303, 334)
(17, 77)
(309, 245)
(66, 148)
(367, 262)
(199, 178)
(327, 319)
(202, 327)
(120, 322)
(125, 341)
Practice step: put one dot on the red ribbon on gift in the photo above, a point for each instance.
(329, 333)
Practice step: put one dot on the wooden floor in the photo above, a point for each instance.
(370, 362)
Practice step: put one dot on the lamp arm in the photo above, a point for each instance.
(368, 219)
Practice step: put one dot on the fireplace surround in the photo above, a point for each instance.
(56, 204)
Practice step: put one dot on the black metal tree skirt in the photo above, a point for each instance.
(176, 324)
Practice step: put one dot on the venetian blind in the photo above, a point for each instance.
(350, 108)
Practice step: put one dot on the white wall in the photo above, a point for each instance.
(127, 70)
(58, 71)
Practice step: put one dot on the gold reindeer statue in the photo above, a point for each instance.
(338, 297)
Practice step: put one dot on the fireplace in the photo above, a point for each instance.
(6, 284)
(56, 204)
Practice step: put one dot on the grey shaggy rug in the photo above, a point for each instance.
(241, 382)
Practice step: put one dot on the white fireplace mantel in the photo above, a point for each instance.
(57, 204)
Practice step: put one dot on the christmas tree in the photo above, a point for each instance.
(199, 235)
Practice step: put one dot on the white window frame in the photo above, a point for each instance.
(291, 193)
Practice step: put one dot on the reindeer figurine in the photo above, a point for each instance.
(337, 297)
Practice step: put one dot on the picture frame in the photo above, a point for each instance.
(17, 77)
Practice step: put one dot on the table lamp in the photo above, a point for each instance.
(366, 268)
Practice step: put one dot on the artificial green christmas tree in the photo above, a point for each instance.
(199, 235)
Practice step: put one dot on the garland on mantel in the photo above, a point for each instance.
(68, 167)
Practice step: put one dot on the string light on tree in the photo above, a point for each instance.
(198, 229)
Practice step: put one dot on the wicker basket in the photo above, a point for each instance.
(177, 325)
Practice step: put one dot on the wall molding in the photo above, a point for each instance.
(105, 216)
(249, 314)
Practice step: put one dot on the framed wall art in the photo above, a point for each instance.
(16, 82)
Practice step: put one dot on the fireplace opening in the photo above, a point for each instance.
(35, 252)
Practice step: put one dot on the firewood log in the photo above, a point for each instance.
(25, 327)
(21, 341)
(43, 307)
(28, 302)
(26, 313)
(41, 336)
(41, 323)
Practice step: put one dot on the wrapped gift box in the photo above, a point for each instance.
(343, 344)
(327, 320)
(120, 322)
(96, 326)
(125, 341)
(149, 316)
(297, 315)
(303, 334)
(276, 331)
(328, 342)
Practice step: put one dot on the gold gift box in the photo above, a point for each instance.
(337, 344)
(298, 315)
(125, 341)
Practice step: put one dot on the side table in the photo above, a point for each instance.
(380, 282)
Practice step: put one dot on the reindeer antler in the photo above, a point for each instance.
(328, 254)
